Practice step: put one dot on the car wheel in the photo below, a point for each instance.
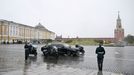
(35, 54)
(83, 51)
(57, 56)
(46, 55)
(78, 53)
(68, 53)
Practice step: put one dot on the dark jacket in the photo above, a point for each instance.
(26, 46)
(100, 51)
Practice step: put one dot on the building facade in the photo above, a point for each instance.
(12, 32)
(119, 31)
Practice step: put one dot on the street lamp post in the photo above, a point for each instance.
(38, 37)
(1, 31)
(24, 34)
(30, 34)
(8, 31)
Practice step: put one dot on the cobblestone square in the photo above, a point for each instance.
(117, 61)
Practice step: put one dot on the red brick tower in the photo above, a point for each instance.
(119, 31)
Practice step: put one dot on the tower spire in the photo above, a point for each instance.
(118, 25)
(118, 14)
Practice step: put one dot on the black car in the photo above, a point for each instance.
(30, 49)
(63, 49)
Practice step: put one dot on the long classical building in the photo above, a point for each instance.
(12, 32)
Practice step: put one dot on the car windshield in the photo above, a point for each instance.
(66, 45)
(34, 46)
(60, 45)
(57, 45)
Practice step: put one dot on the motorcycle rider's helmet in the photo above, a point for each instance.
(76, 45)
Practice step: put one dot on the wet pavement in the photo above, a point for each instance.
(117, 61)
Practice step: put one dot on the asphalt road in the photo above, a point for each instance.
(117, 61)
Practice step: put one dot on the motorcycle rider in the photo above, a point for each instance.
(78, 46)
(30, 49)
(27, 48)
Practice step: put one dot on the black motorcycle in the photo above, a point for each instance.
(30, 50)
(80, 48)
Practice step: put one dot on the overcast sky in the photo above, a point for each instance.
(82, 18)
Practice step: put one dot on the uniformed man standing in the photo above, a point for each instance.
(100, 51)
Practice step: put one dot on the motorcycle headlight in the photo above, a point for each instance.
(44, 50)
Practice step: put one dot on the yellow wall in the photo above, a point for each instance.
(23, 32)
